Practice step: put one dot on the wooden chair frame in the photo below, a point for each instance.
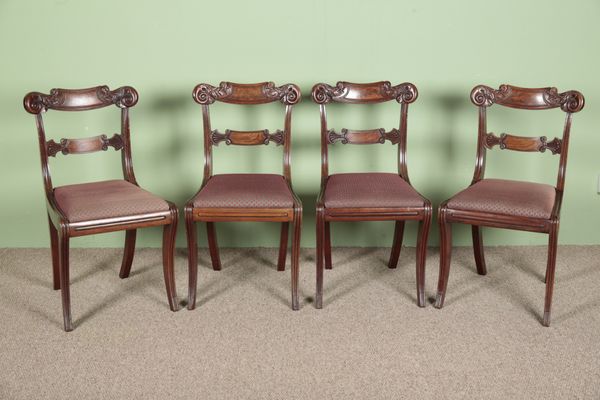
(244, 94)
(520, 98)
(368, 93)
(61, 229)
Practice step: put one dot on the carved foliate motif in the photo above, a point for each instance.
(555, 145)
(122, 97)
(403, 93)
(571, 101)
(217, 137)
(486, 96)
(287, 94)
(324, 93)
(54, 148)
(207, 94)
(36, 102)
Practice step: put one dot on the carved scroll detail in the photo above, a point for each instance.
(36, 102)
(74, 146)
(354, 137)
(288, 94)
(403, 93)
(122, 97)
(486, 96)
(208, 94)
(323, 93)
(571, 101)
(217, 137)
(518, 143)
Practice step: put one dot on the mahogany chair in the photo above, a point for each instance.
(244, 197)
(510, 204)
(369, 196)
(98, 207)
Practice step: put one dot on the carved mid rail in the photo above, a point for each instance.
(369, 136)
(81, 146)
(247, 138)
(523, 143)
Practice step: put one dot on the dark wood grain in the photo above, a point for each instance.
(255, 93)
(367, 93)
(245, 94)
(82, 146)
(528, 98)
(369, 136)
(364, 93)
(61, 228)
(523, 143)
(247, 138)
(80, 99)
(521, 98)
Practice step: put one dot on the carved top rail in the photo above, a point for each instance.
(370, 136)
(255, 93)
(523, 143)
(526, 98)
(364, 93)
(81, 146)
(247, 138)
(80, 99)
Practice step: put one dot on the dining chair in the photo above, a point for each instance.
(103, 206)
(510, 204)
(368, 196)
(244, 196)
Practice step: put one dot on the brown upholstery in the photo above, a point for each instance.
(245, 191)
(106, 199)
(370, 190)
(499, 196)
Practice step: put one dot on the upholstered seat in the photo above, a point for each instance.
(370, 190)
(245, 196)
(245, 191)
(106, 199)
(505, 197)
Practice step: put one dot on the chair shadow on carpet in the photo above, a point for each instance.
(338, 286)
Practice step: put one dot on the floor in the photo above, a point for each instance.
(244, 342)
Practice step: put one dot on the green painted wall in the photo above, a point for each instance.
(165, 48)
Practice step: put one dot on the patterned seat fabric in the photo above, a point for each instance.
(499, 196)
(370, 190)
(106, 199)
(245, 191)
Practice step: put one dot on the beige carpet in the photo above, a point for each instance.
(243, 341)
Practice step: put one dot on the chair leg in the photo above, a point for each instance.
(128, 253)
(478, 250)
(445, 254)
(327, 246)
(422, 255)
(192, 243)
(552, 248)
(296, 257)
(213, 246)
(283, 244)
(169, 232)
(320, 255)
(55, 260)
(65, 290)
(396, 244)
